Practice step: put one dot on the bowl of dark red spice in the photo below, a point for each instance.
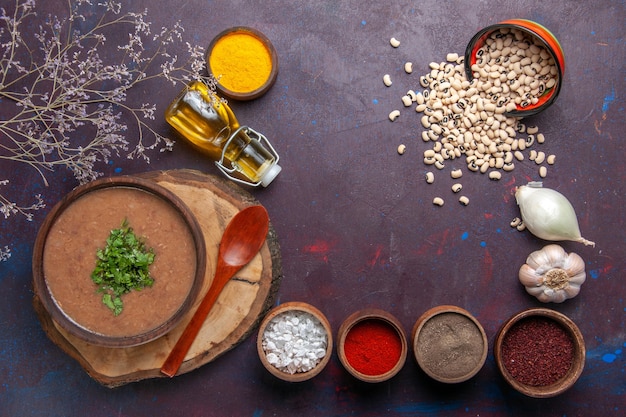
(295, 341)
(371, 345)
(449, 344)
(540, 352)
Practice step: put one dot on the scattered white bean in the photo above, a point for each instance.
(408, 67)
(495, 175)
(394, 115)
(430, 177)
(551, 159)
(464, 200)
(452, 57)
(407, 101)
(457, 173)
(541, 138)
(401, 149)
(394, 42)
(541, 156)
(438, 201)
(543, 171)
(457, 187)
(387, 80)
(515, 222)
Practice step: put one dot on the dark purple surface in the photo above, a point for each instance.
(355, 220)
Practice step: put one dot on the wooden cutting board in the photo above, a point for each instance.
(238, 311)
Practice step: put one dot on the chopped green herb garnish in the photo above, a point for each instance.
(122, 266)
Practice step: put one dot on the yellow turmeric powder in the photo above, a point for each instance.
(241, 61)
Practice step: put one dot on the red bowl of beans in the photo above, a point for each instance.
(520, 62)
(540, 352)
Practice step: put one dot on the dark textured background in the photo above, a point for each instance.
(355, 220)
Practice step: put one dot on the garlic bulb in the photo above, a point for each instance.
(551, 275)
(548, 214)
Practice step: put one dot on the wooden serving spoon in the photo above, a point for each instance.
(242, 240)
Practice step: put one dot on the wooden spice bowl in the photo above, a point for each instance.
(566, 325)
(234, 66)
(305, 311)
(449, 344)
(384, 351)
(64, 257)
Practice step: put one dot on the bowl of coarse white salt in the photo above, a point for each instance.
(295, 341)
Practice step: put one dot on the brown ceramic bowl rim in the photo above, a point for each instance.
(295, 306)
(364, 315)
(43, 293)
(578, 362)
(443, 309)
(271, 79)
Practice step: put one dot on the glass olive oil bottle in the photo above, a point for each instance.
(241, 153)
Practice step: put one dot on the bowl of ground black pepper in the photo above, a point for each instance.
(449, 344)
(540, 352)
(371, 345)
(243, 61)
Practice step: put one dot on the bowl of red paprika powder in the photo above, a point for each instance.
(540, 352)
(371, 345)
(449, 344)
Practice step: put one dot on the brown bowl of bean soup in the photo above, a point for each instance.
(79, 226)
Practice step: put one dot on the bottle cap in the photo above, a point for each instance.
(270, 174)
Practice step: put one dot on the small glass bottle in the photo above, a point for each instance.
(241, 153)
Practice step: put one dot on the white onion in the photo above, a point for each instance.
(548, 214)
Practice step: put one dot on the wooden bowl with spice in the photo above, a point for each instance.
(295, 341)
(118, 262)
(243, 61)
(449, 344)
(540, 352)
(371, 345)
